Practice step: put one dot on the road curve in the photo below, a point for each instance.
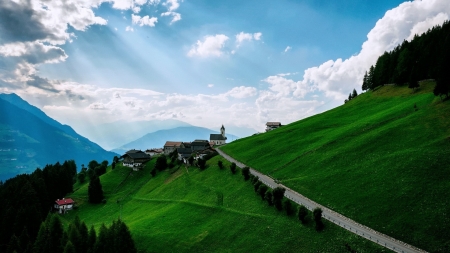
(338, 219)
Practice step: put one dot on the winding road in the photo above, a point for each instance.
(338, 219)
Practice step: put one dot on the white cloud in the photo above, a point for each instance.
(242, 92)
(210, 46)
(210, 85)
(241, 37)
(136, 9)
(175, 16)
(282, 86)
(172, 4)
(146, 20)
(129, 29)
(336, 78)
(287, 49)
(154, 2)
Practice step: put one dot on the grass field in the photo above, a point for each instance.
(375, 159)
(178, 211)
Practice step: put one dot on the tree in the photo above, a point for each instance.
(302, 213)
(354, 94)
(113, 165)
(153, 172)
(365, 85)
(233, 168)
(201, 163)
(262, 189)
(82, 176)
(92, 238)
(95, 190)
(256, 185)
(370, 76)
(413, 82)
(246, 173)
(220, 164)
(92, 165)
(268, 197)
(278, 195)
(161, 163)
(69, 248)
(191, 160)
(287, 204)
(123, 242)
(317, 214)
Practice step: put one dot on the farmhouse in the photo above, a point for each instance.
(135, 159)
(202, 153)
(184, 154)
(272, 125)
(171, 146)
(199, 145)
(154, 151)
(63, 205)
(218, 139)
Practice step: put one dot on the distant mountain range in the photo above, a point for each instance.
(158, 139)
(115, 134)
(30, 139)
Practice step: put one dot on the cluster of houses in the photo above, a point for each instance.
(197, 148)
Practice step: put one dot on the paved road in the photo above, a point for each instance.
(338, 219)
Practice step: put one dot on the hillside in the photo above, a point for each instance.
(158, 139)
(178, 211)
(375, 159)
(30, 139)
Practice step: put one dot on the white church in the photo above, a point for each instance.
(218, 139)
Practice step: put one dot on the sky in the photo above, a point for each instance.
(207, 63)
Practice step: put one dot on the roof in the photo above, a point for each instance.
(184, 151)
(155, 150)
(63, 201)
(217, 137)
(187, 144)
(132, 151)
(172, 144)
(222, 128)
(208, 150)
(273, 124)
(137, 155)
(200, 143)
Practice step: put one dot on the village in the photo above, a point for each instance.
(196, 149)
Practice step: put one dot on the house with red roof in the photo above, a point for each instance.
(63, 205)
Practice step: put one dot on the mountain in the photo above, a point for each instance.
(30, 139)
(109, 138)
(158, 138)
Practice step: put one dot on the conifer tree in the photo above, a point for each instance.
(95, 191)
(70, 248)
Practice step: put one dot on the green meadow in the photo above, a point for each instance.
(382, 159)
(179, 211)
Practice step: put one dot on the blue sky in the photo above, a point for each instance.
(240, 63)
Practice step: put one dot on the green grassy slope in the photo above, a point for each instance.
(179, 212)
(374, 159)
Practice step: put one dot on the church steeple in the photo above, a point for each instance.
(222, 130)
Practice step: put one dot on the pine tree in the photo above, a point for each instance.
(91, 241)
(365, 85)
(268, 197)
(95, 190)
(70, 248)
(123, 241)
(354, 94)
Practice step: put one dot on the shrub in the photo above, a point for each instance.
(268, 197)
(262, 190)
(302, 213)
(317, 213)
(278, 195)
(233, 168)
(289, 207)
(256, 185)
(201, 163)
(220, 164)
(246, 173)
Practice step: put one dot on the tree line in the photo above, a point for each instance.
(425, 57)
(26, 199)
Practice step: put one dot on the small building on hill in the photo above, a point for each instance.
(199, 145)
(171, 146)
(204, 152)
(184, 154)
(218, 139)
(272, 125)
(64, 205)
(154, 151)
(135, 159)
